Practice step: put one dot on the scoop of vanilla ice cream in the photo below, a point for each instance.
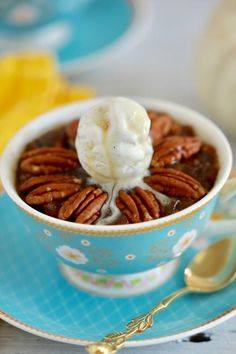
(113, 142)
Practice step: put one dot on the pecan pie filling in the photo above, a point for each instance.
(182, 169)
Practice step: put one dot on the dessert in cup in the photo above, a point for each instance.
(119, 188)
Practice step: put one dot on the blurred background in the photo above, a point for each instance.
(60, 51)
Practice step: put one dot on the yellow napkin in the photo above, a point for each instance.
(31, 85)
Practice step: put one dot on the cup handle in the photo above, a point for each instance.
(223, 226)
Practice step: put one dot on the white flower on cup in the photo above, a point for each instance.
(130, 257)
(184, 242)
(47, 232)
(72, 254)
(85, 242)
(171, 233)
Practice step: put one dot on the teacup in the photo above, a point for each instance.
(122, 260)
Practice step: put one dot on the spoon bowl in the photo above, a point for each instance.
(213, 268)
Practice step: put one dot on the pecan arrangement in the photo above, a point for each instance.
(139, 205)
(84, 205)
(51, 179)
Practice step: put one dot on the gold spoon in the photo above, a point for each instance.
(210, 270)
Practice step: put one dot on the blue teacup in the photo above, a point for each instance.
(122, 260)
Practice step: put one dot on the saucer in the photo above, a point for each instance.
(36, 298)
(81, 39)
(106, 30)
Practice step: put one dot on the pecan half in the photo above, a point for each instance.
(140, 205)
(50, 191)
(37, 181)
(174, 148)
(48, 160)
(180, 129)
(160, 125)
(85, 206)
(175, 183)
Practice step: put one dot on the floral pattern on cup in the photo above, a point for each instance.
(101, 271)
(130, 257)
(184, 242)
(47, 232)
(171, 233)
(121, 282)
(85, 242)
(202, 215)
(72, 254)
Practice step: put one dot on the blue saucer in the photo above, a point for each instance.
(35, 297)
(100, 25)
(81, 38)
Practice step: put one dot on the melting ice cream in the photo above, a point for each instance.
(114, 147)
(113, 142)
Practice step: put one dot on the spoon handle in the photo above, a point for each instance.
(113, 342)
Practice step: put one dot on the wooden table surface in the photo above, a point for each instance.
(166, 54)
(222, 341)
